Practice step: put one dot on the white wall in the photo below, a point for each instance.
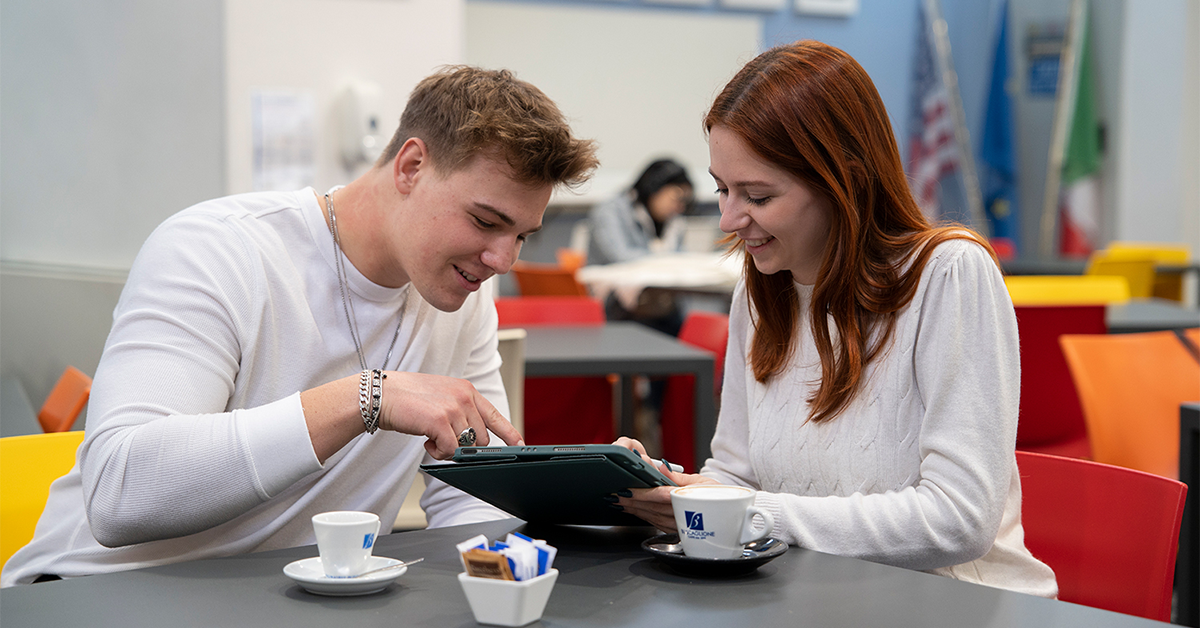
(639, 82)
(317, 46)
(116, 114)
(1149, 153)
(1190, 131)
(111, 118)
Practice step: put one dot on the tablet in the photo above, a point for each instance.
(561, 484)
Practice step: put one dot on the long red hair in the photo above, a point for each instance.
(811, 109)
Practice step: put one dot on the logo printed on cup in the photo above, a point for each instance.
(695, 525)
(368, 541)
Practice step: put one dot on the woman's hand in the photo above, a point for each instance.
(653, 505)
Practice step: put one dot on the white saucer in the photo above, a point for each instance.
(309, 574)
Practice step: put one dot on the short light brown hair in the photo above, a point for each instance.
(461, 111)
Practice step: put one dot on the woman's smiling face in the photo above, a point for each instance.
(784, 225)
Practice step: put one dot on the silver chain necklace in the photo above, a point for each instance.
(347, 303)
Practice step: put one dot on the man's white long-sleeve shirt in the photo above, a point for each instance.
(196, 441)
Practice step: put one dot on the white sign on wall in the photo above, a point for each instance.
(282, 121)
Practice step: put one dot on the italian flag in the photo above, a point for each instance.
(1079, 201)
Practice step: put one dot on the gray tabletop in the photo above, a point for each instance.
(605, 580)
(1152, 314)
(625, 349)
(1044, 266)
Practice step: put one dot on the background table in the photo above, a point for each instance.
(605, 580)
(1137, 315)
(705, 273)
(625, 349)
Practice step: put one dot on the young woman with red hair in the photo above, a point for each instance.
(872, 375)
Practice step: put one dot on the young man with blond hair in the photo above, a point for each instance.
(276, 355)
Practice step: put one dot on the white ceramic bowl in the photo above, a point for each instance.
(508, 602)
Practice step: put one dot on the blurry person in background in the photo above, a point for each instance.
(643, 220)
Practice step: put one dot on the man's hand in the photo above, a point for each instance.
(434, 406)
(440, 408)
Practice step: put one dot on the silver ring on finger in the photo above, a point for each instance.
(466, 438)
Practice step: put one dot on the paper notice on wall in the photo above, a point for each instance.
(283, 120)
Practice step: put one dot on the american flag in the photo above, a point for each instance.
(933, 152)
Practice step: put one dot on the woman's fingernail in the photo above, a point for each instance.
(610, 498)
(625, 493)
(617, 506)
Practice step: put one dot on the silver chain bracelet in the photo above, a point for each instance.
(370, 397)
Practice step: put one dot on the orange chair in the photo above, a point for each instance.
(546, 280)
(1051, 419)
(1110, 534)
(708, 331)
(66, 401)
(562, 410)
(1130, 387)
(570, 259)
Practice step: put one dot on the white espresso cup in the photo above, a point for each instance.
(345, 540)
(714, 520)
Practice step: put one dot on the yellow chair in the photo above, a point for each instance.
(1166, 285)
(1066, 289)
(1138, 271)
(28, 465)
(1130, 387)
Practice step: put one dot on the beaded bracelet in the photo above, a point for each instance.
(370, 397)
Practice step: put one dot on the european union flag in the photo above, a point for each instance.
(997, 155)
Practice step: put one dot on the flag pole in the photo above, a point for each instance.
(1063, 107)
(962, 136)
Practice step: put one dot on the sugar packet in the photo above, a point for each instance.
(517, 558)
(543, 553)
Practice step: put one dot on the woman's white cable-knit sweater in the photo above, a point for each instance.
(919, 470)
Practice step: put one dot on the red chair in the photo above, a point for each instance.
(1109, 533)
(562, 410)
(549, 310)
(708, 331)
(1051, 418)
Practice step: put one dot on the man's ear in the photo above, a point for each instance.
(410, 162)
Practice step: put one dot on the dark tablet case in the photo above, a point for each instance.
(568, 488)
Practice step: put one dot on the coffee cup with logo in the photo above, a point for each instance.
(345, 540)
(715, 521)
